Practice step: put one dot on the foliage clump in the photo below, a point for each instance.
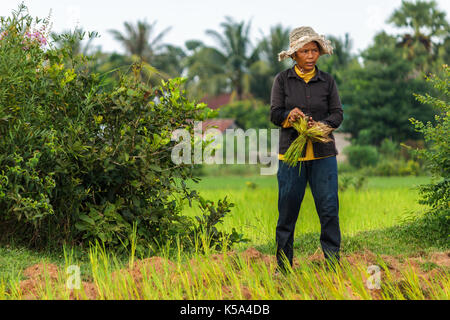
(81, 163)
(437, 156)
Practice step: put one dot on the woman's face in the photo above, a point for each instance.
(306, 57)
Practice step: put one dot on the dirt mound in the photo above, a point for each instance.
(38, 276)
(441, 258)
(43, 275)
(146, 267)
(42, 270)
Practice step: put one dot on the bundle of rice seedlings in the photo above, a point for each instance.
(317, 133)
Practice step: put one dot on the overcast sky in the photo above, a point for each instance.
(189, 19)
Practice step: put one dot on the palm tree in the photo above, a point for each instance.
(139, 39)
(171, 61)
(233, 52)
(205, 76)
(263, 71)
(144, 47)
(74, 40)
(337, 63)
(425, 21)
(274, 43)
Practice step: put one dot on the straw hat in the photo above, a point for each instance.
(301, 36)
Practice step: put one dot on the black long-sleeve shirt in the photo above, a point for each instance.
(318, 98)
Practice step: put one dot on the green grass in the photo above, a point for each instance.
(238, 182)
(383, 203)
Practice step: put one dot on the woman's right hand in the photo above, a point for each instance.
(295, 114)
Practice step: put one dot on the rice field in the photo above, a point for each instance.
(383, 203)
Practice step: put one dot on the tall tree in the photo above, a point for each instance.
(425, 23)
(379, 95)
(205, 75)
(263, 71)
(234, 52)
(144, 46)
(341, 58)
(271, 45)
(140, 39)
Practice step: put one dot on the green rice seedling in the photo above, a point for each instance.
(410, 286)
(358, 287)
(101, 271)
(439, 286)
(319, 132)
(3, 294)
(12, 289)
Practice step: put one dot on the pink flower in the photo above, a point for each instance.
(36, 36)
(3, 34)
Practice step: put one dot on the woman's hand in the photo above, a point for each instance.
(311, 122)
(295, 114)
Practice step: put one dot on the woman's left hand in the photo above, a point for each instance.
(311, 122)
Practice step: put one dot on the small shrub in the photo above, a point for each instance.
(358, 182)
(437, 156)
(361, 155)
(345, 167)
(389, 149)
(391, 167)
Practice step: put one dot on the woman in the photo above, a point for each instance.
(300, 91)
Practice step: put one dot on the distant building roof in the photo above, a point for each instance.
(220, 124)
(217, 101)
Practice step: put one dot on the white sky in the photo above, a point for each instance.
(362, 19)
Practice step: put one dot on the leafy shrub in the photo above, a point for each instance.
(80, 163)
(389, 149)
(358, 182)
(207, 222)
(437, 154)
(391, 167)
(345, 167)
(361, 155)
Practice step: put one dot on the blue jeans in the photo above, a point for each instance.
(322, 177)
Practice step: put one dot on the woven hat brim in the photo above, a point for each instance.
(324, 46)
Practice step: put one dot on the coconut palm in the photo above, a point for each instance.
(144, 45)
(270, 46)
(263, 71)
(140, 39)
(79, 41)
(233, 52)
(425, 22)
(205, 76)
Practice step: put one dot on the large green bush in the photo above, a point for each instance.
(80, 163)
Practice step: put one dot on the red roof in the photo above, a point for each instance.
(217, 101)
(221, 124)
